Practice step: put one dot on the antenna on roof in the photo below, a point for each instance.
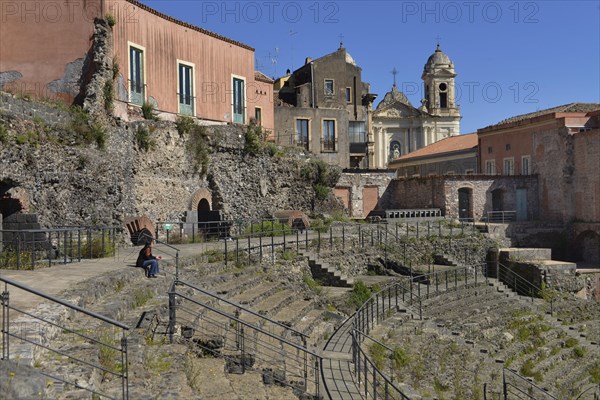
(292, 34)
(437, 39)
(394, 72)
(273, 58)
(341, 41)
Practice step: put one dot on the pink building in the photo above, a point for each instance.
(46, 51)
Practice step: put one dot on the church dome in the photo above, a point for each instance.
(394, 96)
(438, 57)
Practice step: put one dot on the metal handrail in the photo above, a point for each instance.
(241, 307)
(512, 373)
(62, 302)
(518, 281)
(376, 372)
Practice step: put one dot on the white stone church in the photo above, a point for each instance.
(400, 128)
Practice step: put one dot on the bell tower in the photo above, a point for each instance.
(438, 80)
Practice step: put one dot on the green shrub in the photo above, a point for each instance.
(99, 135)
(288, 255)
(110, 20)
(184, 125)
(197, 144)
(571, 342)
(143, 139)
(311, 283)
(269, 229)
(95, 247)
(8, 259)
(86, 131)
(359, 295)
(148, 111)
(253, 139)
(322, 176)
(594, 372)
(141, 297)
(22, 139)
(116, 68)
(3, 134)
(109, 96)
(527, 369)
(400, 357)
(579, 352)
(377, 352)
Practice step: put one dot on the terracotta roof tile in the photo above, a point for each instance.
(446, 145)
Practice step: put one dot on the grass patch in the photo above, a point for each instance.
(288, 255)
(527, 369)
(359, 295)
(143, 138)
(579, 352)
(158, 363)
(400, 357)
(312, 284)
(571, 342)
(94, 249)
(148, 111)
(274, 228)
(594, 372)
(141, 297)
(197, 144)
(3, 134)
(322, 176)
(377, 352)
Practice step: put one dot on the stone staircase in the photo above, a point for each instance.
(327, 274)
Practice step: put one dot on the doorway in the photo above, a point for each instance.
(465, 199)
(521, 204)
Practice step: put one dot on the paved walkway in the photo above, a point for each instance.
(337, 365)
(60, 277)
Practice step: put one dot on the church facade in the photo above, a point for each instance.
(400, 128)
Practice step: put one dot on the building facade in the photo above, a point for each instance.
(179, 68)
(559, 145)
(400, 128)
(454, 155)
(325, 107)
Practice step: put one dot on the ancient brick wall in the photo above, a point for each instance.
(586, 179)
(354, 185)
(419, 192)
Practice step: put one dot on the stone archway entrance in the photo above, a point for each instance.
(209, 221)
(12, 199)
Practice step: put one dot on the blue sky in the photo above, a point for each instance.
(512, 57)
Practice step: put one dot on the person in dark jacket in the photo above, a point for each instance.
(148, 261)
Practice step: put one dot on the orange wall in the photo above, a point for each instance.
(165, 42)
(520, 139)
(260, 94)
(39, 38)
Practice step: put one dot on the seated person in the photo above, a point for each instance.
(148, 261)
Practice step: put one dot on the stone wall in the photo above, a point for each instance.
(442, 192)
(419, 192)
(82, 184)
(351, 187)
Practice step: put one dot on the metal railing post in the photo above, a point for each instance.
(5, 324)
(226, 255)
(124, 371)
(172, 313)
(177, 266)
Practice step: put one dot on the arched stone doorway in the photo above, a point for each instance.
(203, 206)
(13, 199)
